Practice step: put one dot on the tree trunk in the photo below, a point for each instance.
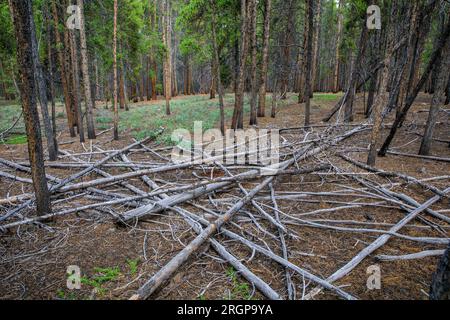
(22, 13)
(338, 47)
(217, 66)
(43, 98)
(167, 53)
(440, 285)
(63, 71)
(354, 75)
(265, 59)
(412, 96)
(238, 114)
(438, 100)
(85, 72)
(316, 45)
(308, 64)
(254, 53)
(76, 84)
(115, 93)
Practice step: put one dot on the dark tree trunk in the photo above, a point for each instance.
(438, 99)
(265, 59)
(238, 114)
(410, 100)
(440, 284)
(253, 72)
(63, 70)
(43, 98)
(309, 53)
(22, 13)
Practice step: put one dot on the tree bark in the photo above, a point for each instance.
(410, 100)
(22, 13)
(85, 72)
(62, 66)
(167, 53)
(438, 100)
(52, 145)
(265, 59)
(338, 47)
(238, 114)
(308, 65)
(116, 107)
(254, 53)
(217, 66)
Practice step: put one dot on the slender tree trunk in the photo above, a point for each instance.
(115, 93)
(85, 72)
(438, 100)
(354, 75)
(212, 90)
(22, 13)
(63, 71)
(76, 85)
(412, 96)
(217, 66)
(238, 114)
(265, 59)
(43, 98)
(338, 47)
(316, 45)
(309, 48)
(254, 52)
(167, 59)
(50, 39)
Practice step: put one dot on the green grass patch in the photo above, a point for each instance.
(18, 139)
(101, 276)
(240, 290)
(327, 96)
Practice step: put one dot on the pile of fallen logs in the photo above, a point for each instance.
(301, 153)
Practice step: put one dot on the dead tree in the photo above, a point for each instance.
(22, 12)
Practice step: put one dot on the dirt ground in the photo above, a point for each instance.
(33, 260)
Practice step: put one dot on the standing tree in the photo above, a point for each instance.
(167, 40)
(22, 13)
(238, 114)
(265, 59)
(438, 99)
(254, 53)
(116, 107)
(85, 72)
(308, 64)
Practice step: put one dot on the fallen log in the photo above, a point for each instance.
(412, 256)
(172, 266)
(379, 242)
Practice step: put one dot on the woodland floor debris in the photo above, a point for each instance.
(328, 207)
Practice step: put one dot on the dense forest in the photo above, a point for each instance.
(357, 90)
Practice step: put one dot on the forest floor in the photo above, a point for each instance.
(115, 262)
